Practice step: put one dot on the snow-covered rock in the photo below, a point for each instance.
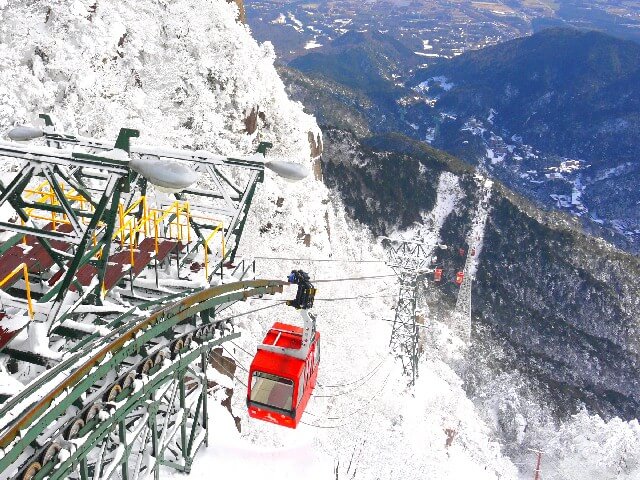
(185, 73)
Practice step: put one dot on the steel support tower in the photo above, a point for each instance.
(411, 260)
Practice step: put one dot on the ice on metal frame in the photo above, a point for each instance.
(288, 170)
(23, 133)
(8, 384)
(167, 175)
(116, 154)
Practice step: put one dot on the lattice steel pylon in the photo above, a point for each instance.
(411, 259)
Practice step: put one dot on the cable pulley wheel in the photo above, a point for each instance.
(145, 366)
(31, 471)
(159, 358)
(128, 380)
(74, 429)
(92, 412)
(177, 346)
(50, 453)
(113, 393)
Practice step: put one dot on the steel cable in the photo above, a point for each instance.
(320, 260)
(371, 277)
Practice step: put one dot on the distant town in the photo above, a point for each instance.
(431, 28)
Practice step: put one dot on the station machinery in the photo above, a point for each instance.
(117, 261)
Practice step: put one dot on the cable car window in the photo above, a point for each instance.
(271, 390)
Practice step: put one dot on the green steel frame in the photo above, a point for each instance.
(114, 183)
(166, 411)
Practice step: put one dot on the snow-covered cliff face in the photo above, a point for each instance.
(555, 312)
(183, 72)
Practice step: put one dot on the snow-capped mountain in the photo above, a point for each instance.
(188, 75)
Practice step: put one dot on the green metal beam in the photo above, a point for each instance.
(133, 401)
(106, 241)
(246, 206)
(32, 423)
(77, 261)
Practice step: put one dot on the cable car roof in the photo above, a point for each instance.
(281, 335)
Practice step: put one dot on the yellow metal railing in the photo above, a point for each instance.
(25, 270)
(171, 222)
(48, 196)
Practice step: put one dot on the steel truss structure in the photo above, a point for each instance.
(107, 314)
(411, 259)
(135, 404)
(86, 223)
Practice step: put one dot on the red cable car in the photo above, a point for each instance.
(459, 278)
(283, 373)
(437, 275)
(462, 251)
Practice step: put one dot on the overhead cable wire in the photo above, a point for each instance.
(420, 325)
(238, 364)
(342, 417)
(367, 377)
(350, 414)
(371, 277)
(331, 299)
(240, 348)
(320, 260)
(249, 312)
(353, 298)
(354, 381)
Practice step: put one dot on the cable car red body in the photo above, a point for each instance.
(459, 278)
(437, 275)
(280, 385)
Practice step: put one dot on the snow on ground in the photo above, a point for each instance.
(440, 80)
(449, 194)
(231, 456)
(280, 20)
(312, 44)
(494, 157)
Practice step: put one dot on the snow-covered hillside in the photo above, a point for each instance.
(187, 75)
(183, 72)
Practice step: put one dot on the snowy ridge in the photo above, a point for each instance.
(519, 416)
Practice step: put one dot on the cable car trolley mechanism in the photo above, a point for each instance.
(284, 370)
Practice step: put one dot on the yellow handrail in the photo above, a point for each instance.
(25, 269)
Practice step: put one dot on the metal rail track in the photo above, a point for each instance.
(128, 403)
